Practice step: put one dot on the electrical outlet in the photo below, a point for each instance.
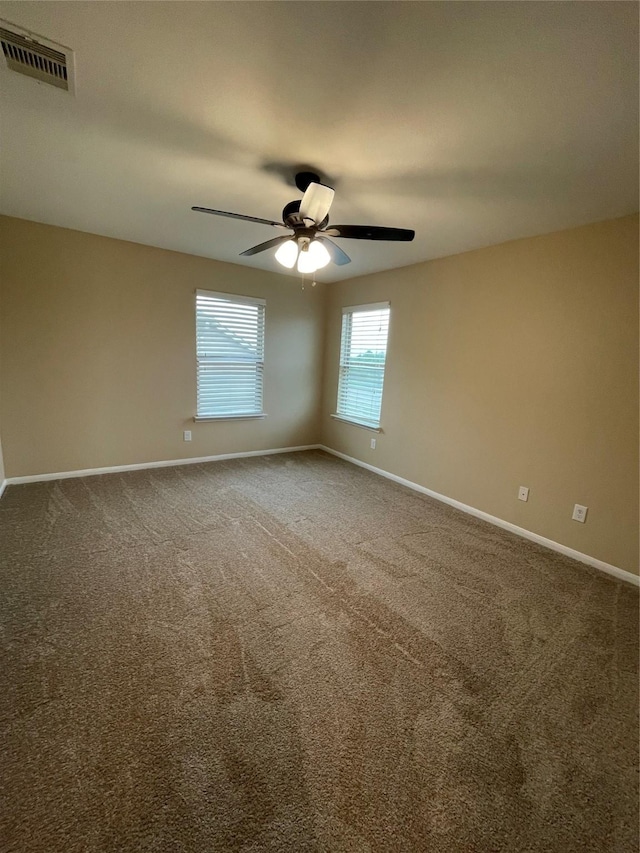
(523, 493)
(580, 513)
(373, 444)
(187, 435)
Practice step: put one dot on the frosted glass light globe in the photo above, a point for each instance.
(319, 254)
(287, 254)
(313, 258)
(306, 262)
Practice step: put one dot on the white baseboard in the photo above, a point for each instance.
(3, 486)
(621, 574)
(168, 463)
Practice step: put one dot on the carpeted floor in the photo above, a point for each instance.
(288, 653)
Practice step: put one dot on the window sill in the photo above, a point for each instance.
(202, 418)
(356, 423)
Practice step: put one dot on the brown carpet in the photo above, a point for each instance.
(289, 653)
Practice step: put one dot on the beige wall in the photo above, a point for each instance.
(513, 365)
(98, 353)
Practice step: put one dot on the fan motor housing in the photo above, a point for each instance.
(291, 216)
(290, 213)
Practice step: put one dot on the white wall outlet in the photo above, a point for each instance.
(523, 493)
(580, 513)
(373, 444)
(187, 435)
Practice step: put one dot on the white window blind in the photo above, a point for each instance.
(230, 352)
(363, 353)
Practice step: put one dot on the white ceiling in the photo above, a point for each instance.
(473, 123)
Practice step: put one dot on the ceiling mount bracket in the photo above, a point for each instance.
(304, 179)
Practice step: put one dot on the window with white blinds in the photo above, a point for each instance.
(230, 352)
(363, 353)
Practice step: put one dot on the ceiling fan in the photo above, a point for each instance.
(310, 244)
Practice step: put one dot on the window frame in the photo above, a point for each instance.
(259, 361)
(350, 310)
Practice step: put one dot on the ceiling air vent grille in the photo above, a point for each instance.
(30, 57)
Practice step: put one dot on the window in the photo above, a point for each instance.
(363, 352)
(230, 352)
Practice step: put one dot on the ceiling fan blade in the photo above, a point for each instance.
(370, 232)
(316, 202)
(239, 216)
(337, 255)
(262, 247)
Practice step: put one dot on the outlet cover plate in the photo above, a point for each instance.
(580, 513)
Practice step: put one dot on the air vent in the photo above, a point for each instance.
(38, 58)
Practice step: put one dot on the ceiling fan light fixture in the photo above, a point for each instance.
(287, 254)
